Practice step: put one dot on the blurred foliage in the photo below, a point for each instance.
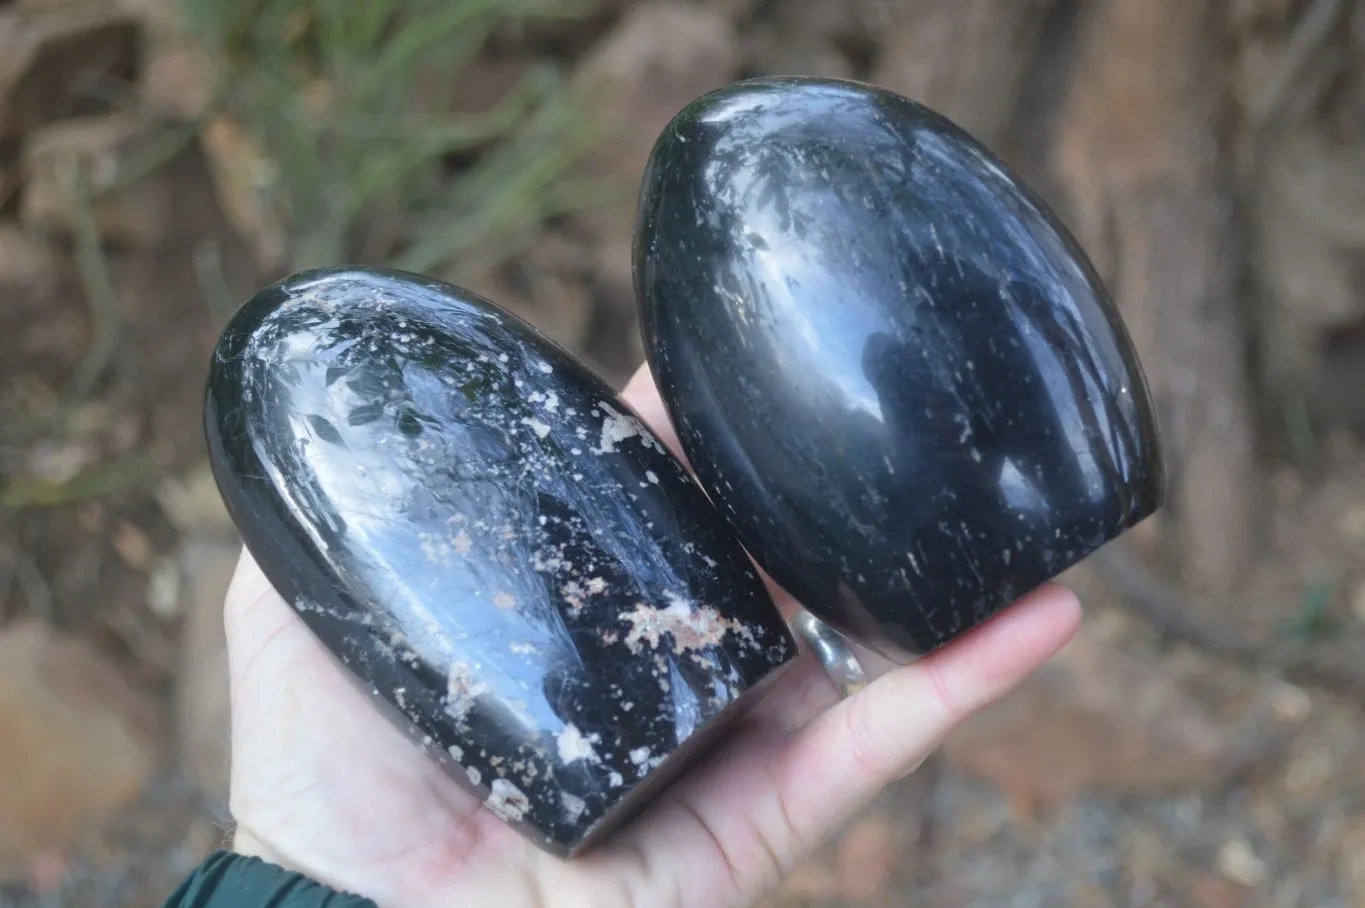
(352, 103)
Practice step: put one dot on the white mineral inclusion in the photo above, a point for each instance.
(507, 801)
(618, 426)
(462, 690)
(692, 627)
(572, 745)
(536, 426)
(573, 806)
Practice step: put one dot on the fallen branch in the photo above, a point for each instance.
(1178, 614)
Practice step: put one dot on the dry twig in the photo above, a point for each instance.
(1181, 615)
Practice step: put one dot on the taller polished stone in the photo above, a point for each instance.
(490, 542)
(890, 365)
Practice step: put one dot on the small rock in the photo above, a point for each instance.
(1093, 718)
(201, 694)
(755, 365)
(50, 56)
(1239, 863)
(56, 156)
(78, 744)
(1358, 601)
(133, 547)
(1351, 523)
(1289, 703)
(163, 589)
(474, 552)
(1310, 768)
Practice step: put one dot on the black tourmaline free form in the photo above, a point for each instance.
(490, 541)
(892, 368)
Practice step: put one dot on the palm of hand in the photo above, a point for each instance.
(323, 784)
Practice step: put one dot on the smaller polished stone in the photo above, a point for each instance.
(893, 369)
(490, 542)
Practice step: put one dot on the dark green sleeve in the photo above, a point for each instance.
(227, 880)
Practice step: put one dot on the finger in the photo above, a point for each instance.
(807, 690)
(771, 795)
(253, 612)
(844, 756)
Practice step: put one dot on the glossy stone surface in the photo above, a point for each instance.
(893, 370)
(492, 544)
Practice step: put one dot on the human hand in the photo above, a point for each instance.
(321, 783)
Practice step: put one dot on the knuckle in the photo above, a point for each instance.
(949, 701)
(860, 731)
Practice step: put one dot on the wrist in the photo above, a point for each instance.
(248, 845)
(232, 879)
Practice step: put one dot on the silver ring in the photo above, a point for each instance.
(833, 651)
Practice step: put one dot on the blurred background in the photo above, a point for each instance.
(1202, 743)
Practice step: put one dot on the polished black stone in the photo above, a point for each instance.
(492, 543)
(892, 368)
